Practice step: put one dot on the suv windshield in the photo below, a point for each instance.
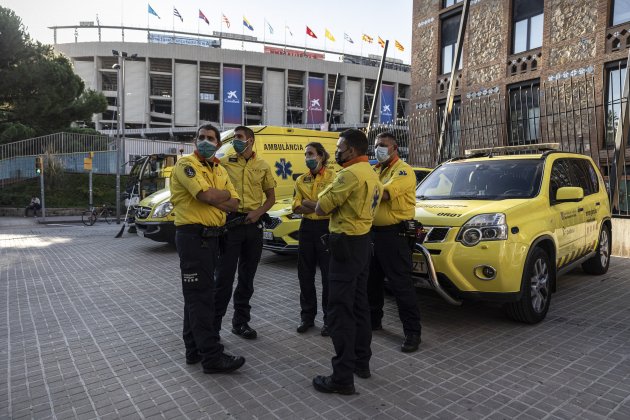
(483, 180)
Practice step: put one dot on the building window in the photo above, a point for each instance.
(449, 3)
(615, 76)
(620, 12)
(527, 16)
(450, 29)
(452, 139)
(524, 113)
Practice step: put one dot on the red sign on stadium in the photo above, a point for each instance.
(293, 53)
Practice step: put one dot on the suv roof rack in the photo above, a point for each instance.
(490, 151)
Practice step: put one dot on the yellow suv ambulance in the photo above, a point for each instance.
(504, 227)
(281, 147)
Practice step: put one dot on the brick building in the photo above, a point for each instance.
(531, 71)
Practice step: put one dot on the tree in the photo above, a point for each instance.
(39, 92)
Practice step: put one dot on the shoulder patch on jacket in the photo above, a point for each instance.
(189, 171)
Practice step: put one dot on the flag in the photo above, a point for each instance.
(226, 20)
(247, 24)
(399, 46)
(203, 17)
(381, 42)
(329, 35)
(152, 12)
(176, 14)
(288, 29)
(269, 27)
(347, 38)
(310, 33)
(367, 38)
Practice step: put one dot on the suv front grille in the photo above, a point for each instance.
(275, 221)
(143, 212)
(436, 234)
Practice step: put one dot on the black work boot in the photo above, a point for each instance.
(326, 384)
(225, 364)
(411, 343)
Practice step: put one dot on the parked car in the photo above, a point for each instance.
(503, 227)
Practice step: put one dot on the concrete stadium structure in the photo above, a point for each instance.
(171, 88)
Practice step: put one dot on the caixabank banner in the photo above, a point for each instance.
(315, 114)
(387, 104)
(232, 95)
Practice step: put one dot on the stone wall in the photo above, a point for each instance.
(485, 38)
(584, 49)
(572, 19)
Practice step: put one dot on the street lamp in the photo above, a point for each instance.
(120, 114)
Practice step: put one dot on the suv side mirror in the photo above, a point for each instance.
(569, 194)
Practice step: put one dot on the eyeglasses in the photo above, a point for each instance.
(209, 138)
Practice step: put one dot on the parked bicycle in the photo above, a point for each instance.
(89, 217)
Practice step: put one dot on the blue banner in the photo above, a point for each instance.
(232, 94)
(387, 104)
(315, 114)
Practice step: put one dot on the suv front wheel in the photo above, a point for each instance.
(535, 298)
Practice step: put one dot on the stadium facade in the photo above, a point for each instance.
(177, 82)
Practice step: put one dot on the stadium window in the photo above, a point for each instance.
(450, 29)
(524, 112)
(620, 12)
(527, 29)
(449, 3)
(615, 76)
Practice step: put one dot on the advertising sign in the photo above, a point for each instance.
(232, 95)
(316, 113)
(387, 104)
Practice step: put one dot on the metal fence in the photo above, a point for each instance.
(67, 151)
(568, 111)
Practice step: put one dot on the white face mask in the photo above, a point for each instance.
(382, 154)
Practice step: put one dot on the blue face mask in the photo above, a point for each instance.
(206, 149)
(311, 164)
(239, 145)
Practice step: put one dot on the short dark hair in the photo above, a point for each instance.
(209, 127)
(248, 131)
(321, 151)
(356, 139)
(388, 135)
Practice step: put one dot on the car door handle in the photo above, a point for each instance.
(580, 208)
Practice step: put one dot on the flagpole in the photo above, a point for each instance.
(198, 27)
(285, 36)
(173, 23)
(264, 29)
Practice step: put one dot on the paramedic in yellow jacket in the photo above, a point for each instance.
(351, 200)
(201, 193)
(392, 251)
(311, 251)
(254, 182)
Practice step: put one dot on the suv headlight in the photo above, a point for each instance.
(162, 210)
(484, 227)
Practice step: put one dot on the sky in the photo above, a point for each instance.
(390, 20)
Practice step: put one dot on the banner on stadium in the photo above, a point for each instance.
(179, 40)
(316, 112)
(387, 104)
(232, 95)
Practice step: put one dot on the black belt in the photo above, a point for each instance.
(389, 228)
(306, 221)
(203, 231)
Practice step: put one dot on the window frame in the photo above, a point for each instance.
(445, 16)
(609, 104)
(528, 19)
(611, 18)
(536, 118)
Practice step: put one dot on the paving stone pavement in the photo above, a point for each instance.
(90, 327)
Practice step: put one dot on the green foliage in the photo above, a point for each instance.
(73, 192)
(39, 92)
